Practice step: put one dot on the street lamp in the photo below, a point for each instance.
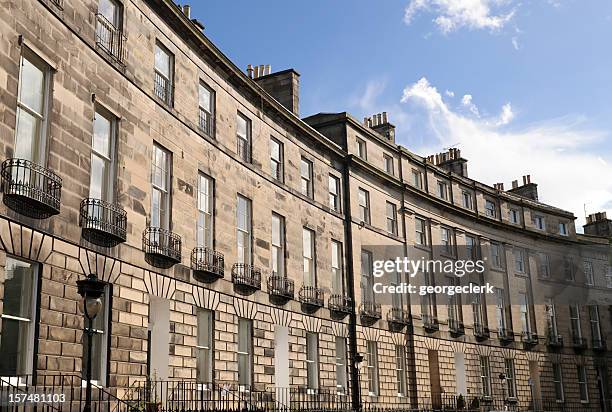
(90, 289)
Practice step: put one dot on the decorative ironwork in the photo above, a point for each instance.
(554, 340)
(397, 318)
(110, 39)
(280, 289)
(207, 123)
(58, 3)
(505, 335)
(164, 89)
(529, 338)
(370, 312)
(162, 248)
(430, 323)
(599, 345)
(481, 332)
(246, 278)
(456, 328)
(103, 223)
(311, 297)
(339, 306)
(207, 264)
(578, 342)
(30, 189)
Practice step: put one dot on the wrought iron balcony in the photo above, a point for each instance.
(58, 3)
(246, 278)
(280, 289)
(481, 332)
(339, 306)
(30, 189)
(103, 223)
(456, 328)
(207, 264)
(311, 297)
(110, 39)
(430, 323)
(529, 338)
(554, 340)
(578, 342)
(164, 89)
(505, 335)
(370, 312)
(162, 248)
(207, 123)
(397, 319)
(599, 345)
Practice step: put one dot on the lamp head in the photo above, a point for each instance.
(91, 290)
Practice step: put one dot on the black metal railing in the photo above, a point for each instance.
(281, 287)
(162, 248)
(554, 339)
(369, 310)
(505, 335)
(455, 327)
(110, 39)
(481, 332)
(304, 399)
(207, 264)
(243, 149)
(430, 323)
(599, 344)
(246, 277)
(207, 123)
(58, 3)
(311, 296)
(578, 342)
(103, 223)
(398, 316)
(529, 338)
(339, 305)
(30, 189)
(164, 88)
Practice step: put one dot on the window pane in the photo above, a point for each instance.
(102, 135)
(27, 136)
(32, 86)
(242, 127)
(109, 10)
(98, 188)
(162, 61)
(205, 98)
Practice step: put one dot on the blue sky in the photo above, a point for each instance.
(522, 87)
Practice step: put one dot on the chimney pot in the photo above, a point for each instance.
(268, 69)
(384, 117)
(514, 184)
(524, 180)
(379, 119)
(262, 69)
(250, 70)
(187, 10)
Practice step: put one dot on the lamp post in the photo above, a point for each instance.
(90, 289)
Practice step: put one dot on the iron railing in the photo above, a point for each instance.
(110, 39)
(599, 344)
(529, 338)
(58, 3)
(339, 305)
(30, 189)
(280, 287)
(103, 223)
(554, 340)
(578, 342)
(369, 310)
(455, 327)
(243, 149)
(430, 323)
(481, 332)
(164, 89)
(207, 123)
(311, 296)
(398, 316)
(246, 277)
(162, 248)
(505, 335)
(207, 264)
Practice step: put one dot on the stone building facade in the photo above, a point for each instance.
(237, 240)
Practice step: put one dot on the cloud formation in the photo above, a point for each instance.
(451, 15)
(562, 155)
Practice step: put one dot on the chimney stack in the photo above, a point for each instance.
(284, 86)
(187, 10)
(528, 190)
(450, 161)
(598, 224)
(379, 122)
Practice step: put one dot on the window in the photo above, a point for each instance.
(244, 230)
(471, 246)
(538, 222)
(400, 369)
(497, 255)
(595, 324)
(490, 209)
(164, 74)
(278, 245)
(276, 159)
(243, 137)
(515, 216)
(308, 243)
(525, 312)
(582, 383)
(101, 180)
(341, 364)
(372, 364)
(388, 164)
(510, 377)
(206, 101)
(312, 360)
(391, 218)
(608, 275)
(467, 200)
(485, 376)
(588, 273)
(551, 318)
(519, 260)
(245, 353)
(428, 304)
(362, 150)
(420, 229)
(563, 229)
(367, 278)
(544, 265)
(442, 190)
(446, 240)
(99, 347)
(558, 381)
(306, 178)
(161, 187)
(108, 28)
(204, 224)
(204, 346)
(18, 318)
(417, 179)
(500, 309)
(32, 108)
(334, 193)
(337, 268)
(478, 312)
(575, 321)
(364, 205)
(568, 269)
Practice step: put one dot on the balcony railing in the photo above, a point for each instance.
(30, 189)
(162, 248)
(164, 89)
(599, 345)
(280, 289)
(370, 312)
(207, 264)
(505, 335)
(311, 297)
(397, 318)
(102, 223)
(481, 332)
(243, 149)
(554, 340)
(455, 327)
(430, 323)
(58, 3)
(246, 278)
(339, 306)
(110, 39)
(207, 123)
(529, 338)
(578, 342)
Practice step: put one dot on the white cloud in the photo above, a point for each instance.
(563, 156)
(366, 101)
(451, 15)
(449, 93)
(515, 43)
(466, 101)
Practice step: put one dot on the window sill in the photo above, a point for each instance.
(422, 247)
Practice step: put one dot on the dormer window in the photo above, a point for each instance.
(362, 150)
